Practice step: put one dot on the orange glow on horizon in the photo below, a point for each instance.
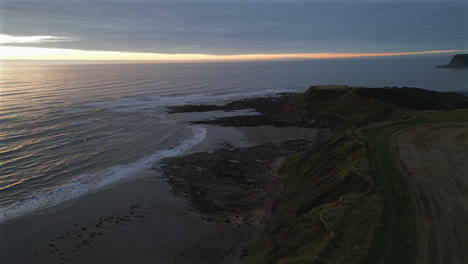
(31, 53)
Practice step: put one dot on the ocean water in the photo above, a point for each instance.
(70, 130)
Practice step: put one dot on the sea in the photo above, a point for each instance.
(68, 130)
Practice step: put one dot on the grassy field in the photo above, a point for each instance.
(398, 241)
(433, 158)
(347, 202)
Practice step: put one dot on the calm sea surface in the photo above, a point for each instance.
(68, 130)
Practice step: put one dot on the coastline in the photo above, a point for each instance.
(243, 195)
(144, 219)
(237, 188)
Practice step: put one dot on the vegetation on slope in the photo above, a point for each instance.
(329, 202)
(416, 98)
(341, 102)
(345, 202)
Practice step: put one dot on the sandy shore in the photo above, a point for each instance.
(138, 222)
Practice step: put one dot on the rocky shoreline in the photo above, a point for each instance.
(234, 185)
(237, 188)
(272, 111)
(224, 202)
(206, 208)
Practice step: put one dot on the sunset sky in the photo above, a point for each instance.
(228, 30)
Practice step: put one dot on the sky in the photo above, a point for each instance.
(227, 29)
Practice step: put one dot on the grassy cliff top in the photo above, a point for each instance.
(345, 201)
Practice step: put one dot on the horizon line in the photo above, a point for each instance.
(14, 53)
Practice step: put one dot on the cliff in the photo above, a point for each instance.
(458, 61)
(346, 201)
(342, 201)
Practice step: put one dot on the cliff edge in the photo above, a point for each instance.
(457, 61)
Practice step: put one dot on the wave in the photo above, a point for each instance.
(150, 102)
(88, 183)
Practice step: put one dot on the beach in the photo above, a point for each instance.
(143, 162)
(154, 218)
(263, 179)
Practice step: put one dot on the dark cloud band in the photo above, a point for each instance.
(228, 27)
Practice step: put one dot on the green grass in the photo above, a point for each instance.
(325, 192)
(345, 105)
(397, 240)
(345, 202)
(416, 98)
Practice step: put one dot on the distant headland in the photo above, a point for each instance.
(457, 61)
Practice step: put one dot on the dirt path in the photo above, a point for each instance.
(434, 159)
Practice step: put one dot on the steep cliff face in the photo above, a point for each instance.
(458, 61)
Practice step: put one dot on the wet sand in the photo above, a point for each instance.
(139, 220)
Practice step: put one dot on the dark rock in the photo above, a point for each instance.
(227, 189)
(457, 61)
(263, 105)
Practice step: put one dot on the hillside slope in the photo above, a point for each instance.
(347, 202)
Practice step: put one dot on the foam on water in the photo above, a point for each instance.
(86, 184)
(140, 104)
(121, 105)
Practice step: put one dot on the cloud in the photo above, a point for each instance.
(8, 39)
(245, 27)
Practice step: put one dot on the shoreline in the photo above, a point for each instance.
(90, 183)
(237, 188)
(237, 195)
(89, 227)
